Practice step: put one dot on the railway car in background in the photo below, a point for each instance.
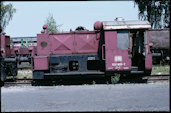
(23, 55)
(161, 45)
(113, 47)
(23, 45)
(10, 57)
(8, 61)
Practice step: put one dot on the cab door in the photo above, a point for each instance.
(116, 50)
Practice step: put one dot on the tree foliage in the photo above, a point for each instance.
(51, 23)
(157, 12)
(6, 15)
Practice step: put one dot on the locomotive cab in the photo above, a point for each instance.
(126, 46)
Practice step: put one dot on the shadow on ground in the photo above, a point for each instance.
(87, 81)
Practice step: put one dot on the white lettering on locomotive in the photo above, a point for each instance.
(118, 58)
(91, 58)
(118, 64)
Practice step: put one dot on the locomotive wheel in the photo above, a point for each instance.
(1, 83)
(36, 82)
(41, 82)
(148, 72)
(133, 79)
(3, 74)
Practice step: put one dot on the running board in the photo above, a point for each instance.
(75, 73)
(85, 73)
(137, 72)
(134, 68)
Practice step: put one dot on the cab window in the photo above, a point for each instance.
(123, 39)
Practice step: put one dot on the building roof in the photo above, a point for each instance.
(24, 38)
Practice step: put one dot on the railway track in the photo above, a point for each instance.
(148, 79)
(157, 78)
(24, 68)
(18, 82)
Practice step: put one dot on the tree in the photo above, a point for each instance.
(157, 12)
(6, 15)
(51, 23)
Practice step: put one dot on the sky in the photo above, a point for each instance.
(31, 16)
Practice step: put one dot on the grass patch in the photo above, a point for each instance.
(26, 66)
(159, 69)
(115, 78)
(24, 74)
(94, 82)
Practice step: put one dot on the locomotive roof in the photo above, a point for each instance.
(130, 24)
